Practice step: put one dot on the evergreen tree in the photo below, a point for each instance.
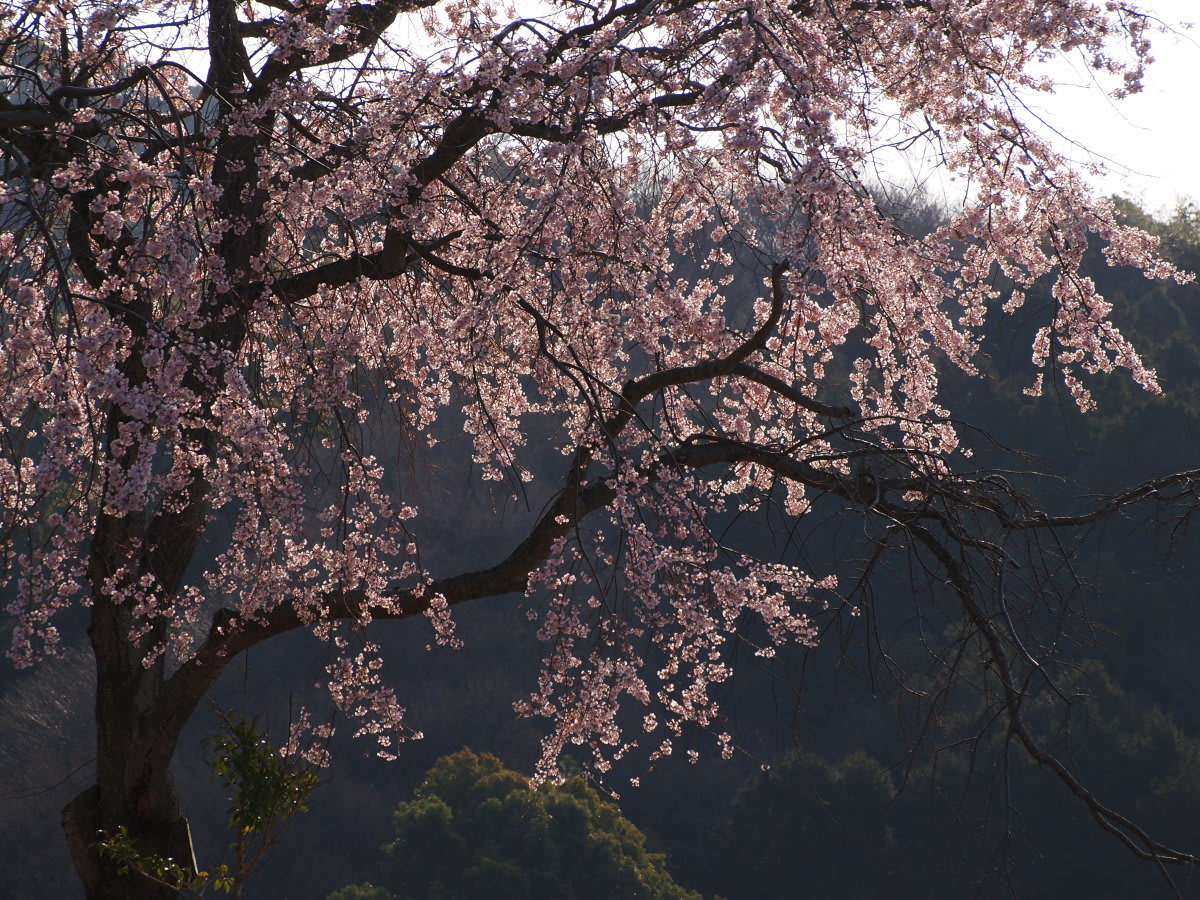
(475, 829)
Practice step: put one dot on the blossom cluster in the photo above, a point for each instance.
(227, 301)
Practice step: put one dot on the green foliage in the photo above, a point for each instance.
(267, 790)
(477, 830)
(120, 849)
(366, 891)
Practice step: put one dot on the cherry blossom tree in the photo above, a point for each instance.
(236, 233)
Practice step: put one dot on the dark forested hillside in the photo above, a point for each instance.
(851, 777)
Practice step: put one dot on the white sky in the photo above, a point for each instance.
(1151, 139)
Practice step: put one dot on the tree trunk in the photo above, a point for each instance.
(101, 880)
(133, 789)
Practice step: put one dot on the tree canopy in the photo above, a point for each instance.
(478, 830)
(254, 255)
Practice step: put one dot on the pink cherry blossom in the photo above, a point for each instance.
(235, 281)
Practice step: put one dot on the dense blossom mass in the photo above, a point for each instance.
(238, 239)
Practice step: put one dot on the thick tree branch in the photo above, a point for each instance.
(791, 392)
(637, 390)
(393, 259)
(365, 24)
(1185, 484)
